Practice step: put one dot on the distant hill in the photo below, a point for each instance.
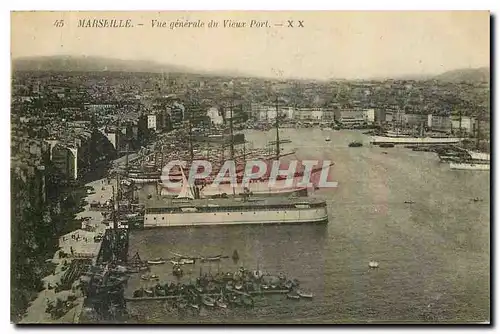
(481, 74)
(98, 64)
(91, 64)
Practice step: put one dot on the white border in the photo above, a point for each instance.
(186, 5)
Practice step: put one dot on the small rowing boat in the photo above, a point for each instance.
(157, 261)
(211, 258)
(208, 301)
(293, 296)
(220, 303)
(303, 294)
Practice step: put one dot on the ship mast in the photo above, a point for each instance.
(191, 150)
(231, 127)
(277, 131)
(478, 140)
(231, 132)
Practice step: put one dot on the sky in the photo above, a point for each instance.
(350, 45)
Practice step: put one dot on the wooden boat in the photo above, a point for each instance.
(355, 144)
(247, 301)
(303, 294)
(208, 301)
(182, 262)
(293, 296)
(327, 139)
(156, 261)
(386, 145)
(168, 306)
(211, 258)
(154, 277)
(409, 202)
(236, 300)
(177, 271)
(220, 303)
(182, 304)
(373, 264)
(138, 293)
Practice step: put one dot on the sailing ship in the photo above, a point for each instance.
(188, 210)
(257, 187)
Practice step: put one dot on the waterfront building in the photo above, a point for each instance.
(465, 123)
(153, 122)
(215, 116)
(65, 159)
(439, 122)
(369, 115)
(412, 120)
(350, 117)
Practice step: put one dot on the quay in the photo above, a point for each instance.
(80, 245)
(376, 140)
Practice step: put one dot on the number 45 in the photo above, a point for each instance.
(59, 23)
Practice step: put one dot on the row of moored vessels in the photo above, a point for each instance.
(223, 290)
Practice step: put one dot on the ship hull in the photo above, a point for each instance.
(135, 180)
(470, 166)
(280, 188)
(259, 217)
(409, 140)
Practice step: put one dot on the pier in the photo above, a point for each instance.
(376, 140)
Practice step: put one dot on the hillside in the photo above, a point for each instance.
(98, 64)
(91, 64)
(481, 74)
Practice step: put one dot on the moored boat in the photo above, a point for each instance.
(293, 296)
(355, 144)
(247, 301)
(470, 166)
(220, 303)
(208, 301)
(156, 261)
(303, 294)
(202, 212)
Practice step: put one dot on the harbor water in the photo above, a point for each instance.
(433, 254)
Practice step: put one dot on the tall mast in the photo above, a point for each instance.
(191, 150)
(231, 128)
(232, 138)
(277, 132)
(478, 130)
